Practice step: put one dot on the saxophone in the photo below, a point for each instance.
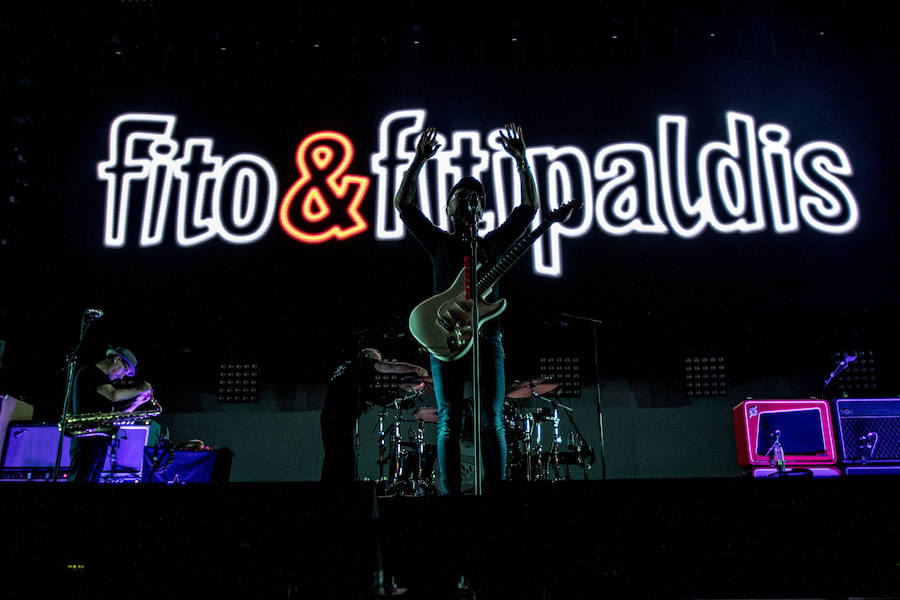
(106, 423)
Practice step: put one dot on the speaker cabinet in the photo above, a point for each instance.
(125, 459)
(804, 428)
(12, 409)
(32, 445)
(30, 451)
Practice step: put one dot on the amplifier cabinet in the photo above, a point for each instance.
(804, 429)
(31, 448)
(126, 452)
(12, 409)
(868, 429)
(32, 445)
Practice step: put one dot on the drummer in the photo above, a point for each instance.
(343, 406)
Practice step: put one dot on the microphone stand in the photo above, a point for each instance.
(476, 363)
(837, 370)
(594, 325)
(599, 406)
(86, 321)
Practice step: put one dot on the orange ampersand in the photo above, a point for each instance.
(322, 160)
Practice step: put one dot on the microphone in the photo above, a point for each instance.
(473, 208)
(849, 357)
(94, 313)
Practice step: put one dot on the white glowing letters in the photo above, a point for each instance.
(233, 199)
(749, 182)
(744, 184)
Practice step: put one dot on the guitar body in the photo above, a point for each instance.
(442, 323)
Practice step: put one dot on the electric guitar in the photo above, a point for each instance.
(442, 323)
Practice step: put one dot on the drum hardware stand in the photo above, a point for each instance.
(395, 435)
(553, 458)
(418, 488)
(382, 447)
(579, 447)
(553, 454)
(539, 474)
(418, 480)
(529, 429)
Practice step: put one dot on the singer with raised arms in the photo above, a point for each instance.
(448, 252)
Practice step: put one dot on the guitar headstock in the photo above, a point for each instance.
(565, 211)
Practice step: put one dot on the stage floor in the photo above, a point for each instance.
(664, 538)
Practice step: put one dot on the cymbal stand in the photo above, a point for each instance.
(584, 451)
(529, 429)
(539, 453)
(382, 445)
(419, 479)
(553, 456)
(398, 462)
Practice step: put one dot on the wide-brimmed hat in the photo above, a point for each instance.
(126, 355)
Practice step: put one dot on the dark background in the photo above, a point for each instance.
(260, 78)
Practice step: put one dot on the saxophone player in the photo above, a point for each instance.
(94, 393)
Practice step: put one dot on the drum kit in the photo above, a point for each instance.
(409, 460)
(536, 450)
(527, 432)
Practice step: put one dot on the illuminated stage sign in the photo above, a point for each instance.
(751, 182)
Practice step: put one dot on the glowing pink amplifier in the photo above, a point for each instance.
(802, 429)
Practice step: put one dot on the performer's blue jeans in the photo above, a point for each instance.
(449, 383)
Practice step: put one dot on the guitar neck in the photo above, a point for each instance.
(509, 258)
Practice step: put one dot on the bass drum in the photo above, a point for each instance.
(518, 426)
(407, 481)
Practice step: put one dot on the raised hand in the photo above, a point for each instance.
(427, 146)
(513, 142)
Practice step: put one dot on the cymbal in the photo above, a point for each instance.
(531, 387)
(426, 414)
(422, 385)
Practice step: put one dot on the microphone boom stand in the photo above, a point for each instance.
(837, 370)
(595, 323)
(599, 405)
(86, 321)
